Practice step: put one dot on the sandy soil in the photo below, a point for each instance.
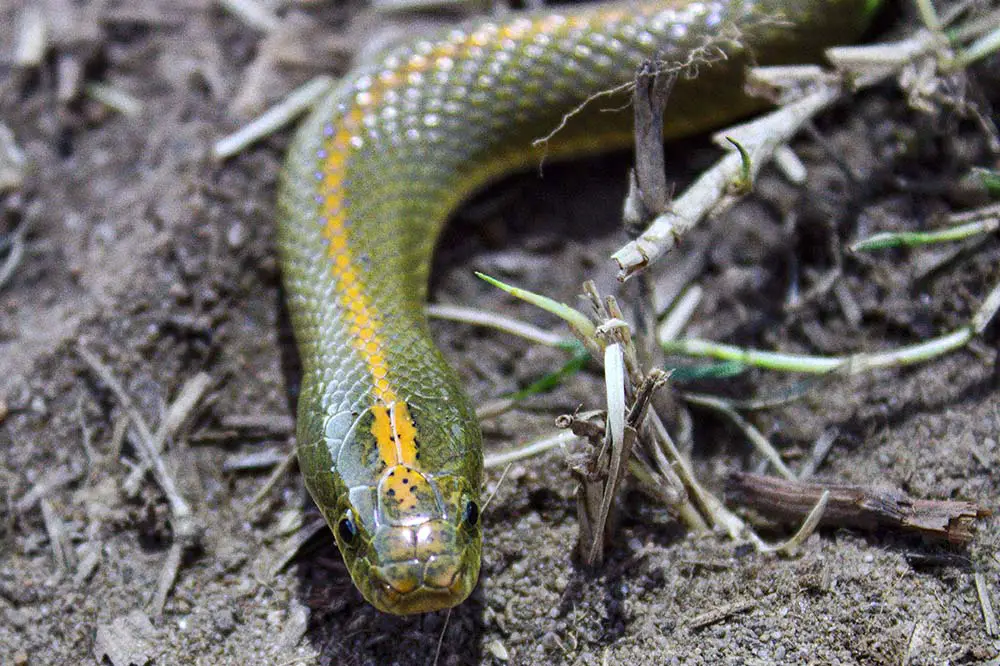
(160, 261)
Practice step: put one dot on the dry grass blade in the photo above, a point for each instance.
(985, 604)
(62, 553)
(599, 485)
(763, 446)
(253, 13)
(13, 165)
(32, 38)
(806, 530)
(721, 613)
(529, 450)
(178, 413)
(51, 480)
(479, 317)
(187, 529)
(290, 548)
(272, 480)
(295, 104)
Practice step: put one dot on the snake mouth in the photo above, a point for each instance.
(405, 588)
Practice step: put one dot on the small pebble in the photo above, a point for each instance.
(235, 235)
(17, 618)
(497, 649)
(550, 641)
(224, 621)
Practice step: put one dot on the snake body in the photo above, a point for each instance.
(388, 443)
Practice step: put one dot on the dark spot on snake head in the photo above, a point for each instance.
(392, 492)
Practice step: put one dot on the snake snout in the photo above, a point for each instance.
(440, 573)
(419, 586)
(423, 568)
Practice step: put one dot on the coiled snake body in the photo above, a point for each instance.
(388, 444)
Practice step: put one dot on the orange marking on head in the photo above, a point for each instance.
(401, 490)
(395, 434)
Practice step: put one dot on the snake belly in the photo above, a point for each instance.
(388, 443)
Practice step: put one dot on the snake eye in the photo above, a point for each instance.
(347, 530)
(470, 515)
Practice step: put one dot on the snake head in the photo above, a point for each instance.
(421, 551)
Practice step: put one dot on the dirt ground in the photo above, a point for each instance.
(161, 261)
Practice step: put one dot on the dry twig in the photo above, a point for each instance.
(721, 613)
(858, 506)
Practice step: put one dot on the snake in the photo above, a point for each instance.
(387, 441)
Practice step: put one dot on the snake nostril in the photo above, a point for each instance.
(442, 572)
(401, 578)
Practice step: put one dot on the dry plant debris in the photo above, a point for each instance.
(858, 507)
(803, 92)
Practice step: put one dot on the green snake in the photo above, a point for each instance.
(388, 444)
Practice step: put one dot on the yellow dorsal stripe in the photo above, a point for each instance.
(359, 315)
(404, 433)
(395, 434)
(348, 135)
